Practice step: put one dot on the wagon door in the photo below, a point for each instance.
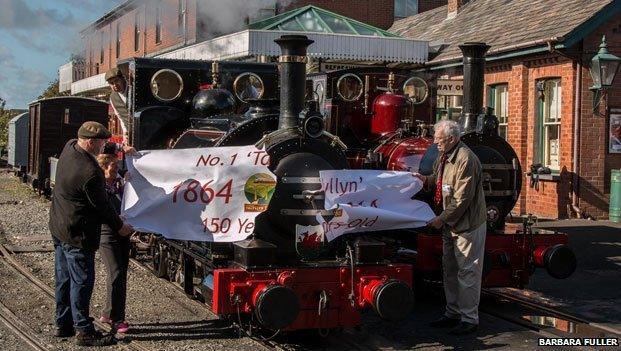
(33, 137)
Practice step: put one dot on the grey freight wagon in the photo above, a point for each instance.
(18, 144)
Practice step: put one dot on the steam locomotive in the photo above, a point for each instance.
(263, 278)
(355, 118)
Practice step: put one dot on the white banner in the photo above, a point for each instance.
(365, 201)
(207, 194)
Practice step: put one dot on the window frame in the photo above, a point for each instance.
(181, 17)
(101, 51)
(493, 101)
(158, 23)
(544, 122)
(137, 31)
(404, 14)
(118, 39)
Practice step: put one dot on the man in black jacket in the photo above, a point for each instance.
(79, 207)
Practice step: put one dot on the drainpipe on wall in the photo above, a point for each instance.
(576, 157)
(185, 23)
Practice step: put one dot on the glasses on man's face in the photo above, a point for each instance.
(438, 140)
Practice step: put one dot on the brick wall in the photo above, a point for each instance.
(145, 14)
(552, 198)
(596, 162)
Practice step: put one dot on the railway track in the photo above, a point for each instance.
(23, 331)
(513, 309)
(9, 259)
(540, 318)
(508, 307)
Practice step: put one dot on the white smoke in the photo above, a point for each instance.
(217, 17)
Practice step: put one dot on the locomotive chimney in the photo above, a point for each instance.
(474, 68)
(292, 78)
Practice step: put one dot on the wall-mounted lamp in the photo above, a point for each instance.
(604, 67)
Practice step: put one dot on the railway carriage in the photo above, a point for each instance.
(53, 122)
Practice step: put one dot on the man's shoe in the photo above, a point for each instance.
(64, 332)
(464, 328)
(444, 322)
(94, 338)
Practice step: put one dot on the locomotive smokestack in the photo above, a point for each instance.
(474, 68)
(292, 78)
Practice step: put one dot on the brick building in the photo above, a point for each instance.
(537, 79)
(147, 28)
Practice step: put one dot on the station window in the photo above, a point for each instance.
(549, 122)
(449, 107)
(498, 99)
(180, 17)
(136, 31)
(405, 8)
(101, 49)
(158, 23)
(118, 39)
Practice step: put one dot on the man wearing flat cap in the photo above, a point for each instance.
(118, 99)
(79, 207)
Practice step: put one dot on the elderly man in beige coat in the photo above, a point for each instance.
(459, 193)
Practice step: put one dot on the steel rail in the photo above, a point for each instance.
(523, 302)
(18, 267)
(23, 331)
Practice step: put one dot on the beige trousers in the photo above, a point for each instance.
(462, 262)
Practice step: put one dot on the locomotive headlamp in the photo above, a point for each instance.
(604, 67)
(313, 125)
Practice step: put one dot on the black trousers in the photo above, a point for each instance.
(115, 254)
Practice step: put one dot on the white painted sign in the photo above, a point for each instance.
(206, 194)
(450, 87)
(366, 201)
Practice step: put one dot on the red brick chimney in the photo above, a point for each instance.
(453, 7)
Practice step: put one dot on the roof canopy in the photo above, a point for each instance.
(317, 20)
(333, 46)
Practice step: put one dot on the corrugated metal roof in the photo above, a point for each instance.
(88, 84)
(327, 45)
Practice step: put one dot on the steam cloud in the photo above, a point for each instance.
(223, 17)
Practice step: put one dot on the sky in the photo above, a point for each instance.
(37, 37)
